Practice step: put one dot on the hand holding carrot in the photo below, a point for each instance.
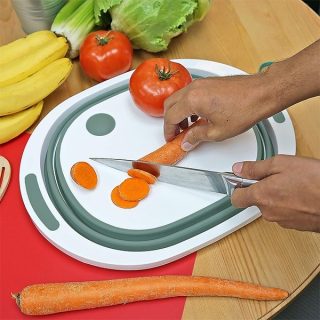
(228, 104)
(233, 104)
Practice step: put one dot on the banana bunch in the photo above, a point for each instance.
(30, 69)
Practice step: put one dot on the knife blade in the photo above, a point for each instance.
(213, 181)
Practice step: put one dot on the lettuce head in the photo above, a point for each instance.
(151, 24)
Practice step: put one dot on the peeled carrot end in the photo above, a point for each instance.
(121, 203)
(141, 174)
(84, 175)
(16, 297)
(134, 189)
(283, 294)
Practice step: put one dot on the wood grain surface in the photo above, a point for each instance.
(242, 33)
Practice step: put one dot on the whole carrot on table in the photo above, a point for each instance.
(43, 299)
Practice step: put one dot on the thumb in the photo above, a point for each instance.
(194, 136)
(254, 169)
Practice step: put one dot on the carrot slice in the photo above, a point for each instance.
(141, 174)
(119, 202)
(133, 189)
(84, 175)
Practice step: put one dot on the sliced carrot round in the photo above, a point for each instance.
(133, 189)
(119, 202)
(84, 175)
(141, 174)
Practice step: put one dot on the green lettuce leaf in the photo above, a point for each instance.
(150, 25)
(101, 11)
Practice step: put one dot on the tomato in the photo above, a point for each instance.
(153, 81)
(105, 54)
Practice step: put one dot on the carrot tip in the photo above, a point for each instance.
(16, 297)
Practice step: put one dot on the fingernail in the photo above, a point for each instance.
(237, 167)
(186, 146)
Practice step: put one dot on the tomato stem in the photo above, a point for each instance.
(103, 40)
(164, 74)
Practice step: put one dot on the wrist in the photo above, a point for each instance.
(275, 93)
(265, 102)
(295, 79)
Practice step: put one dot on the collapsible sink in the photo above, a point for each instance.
(172, 221)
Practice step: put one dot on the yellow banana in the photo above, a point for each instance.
(13, 125)
(18, 48)
(29, 91)
(32, 62)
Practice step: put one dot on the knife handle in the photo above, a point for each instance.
(232, 182)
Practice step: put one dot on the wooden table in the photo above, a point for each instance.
(242, 33)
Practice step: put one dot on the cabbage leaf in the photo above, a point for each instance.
(151, 24)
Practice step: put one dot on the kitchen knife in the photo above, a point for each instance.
(221, 182)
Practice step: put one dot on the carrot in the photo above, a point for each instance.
(171, 152)
(42, 299)
(118, 201)
(133, 189)
(84, 175)
(141, 174)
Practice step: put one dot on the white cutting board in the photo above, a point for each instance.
(136, 134)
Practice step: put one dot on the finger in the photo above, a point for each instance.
(243, 197)
(173, 99)
(170, 130)
(292, 219)
(302, 224)
(173, 116)
(255, 169)
(196, 135)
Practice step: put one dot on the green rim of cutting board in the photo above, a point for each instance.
(119, 238)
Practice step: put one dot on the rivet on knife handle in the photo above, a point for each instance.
(232, 182)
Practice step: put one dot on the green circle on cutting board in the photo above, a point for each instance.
(100, 124)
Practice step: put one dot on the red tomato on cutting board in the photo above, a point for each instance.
(153, 81)
(105, 54)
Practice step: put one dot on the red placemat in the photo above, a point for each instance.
(28, 258)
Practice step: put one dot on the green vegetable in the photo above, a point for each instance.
(74, 21)
(202, 9)
(150, 25)
(101, 11)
